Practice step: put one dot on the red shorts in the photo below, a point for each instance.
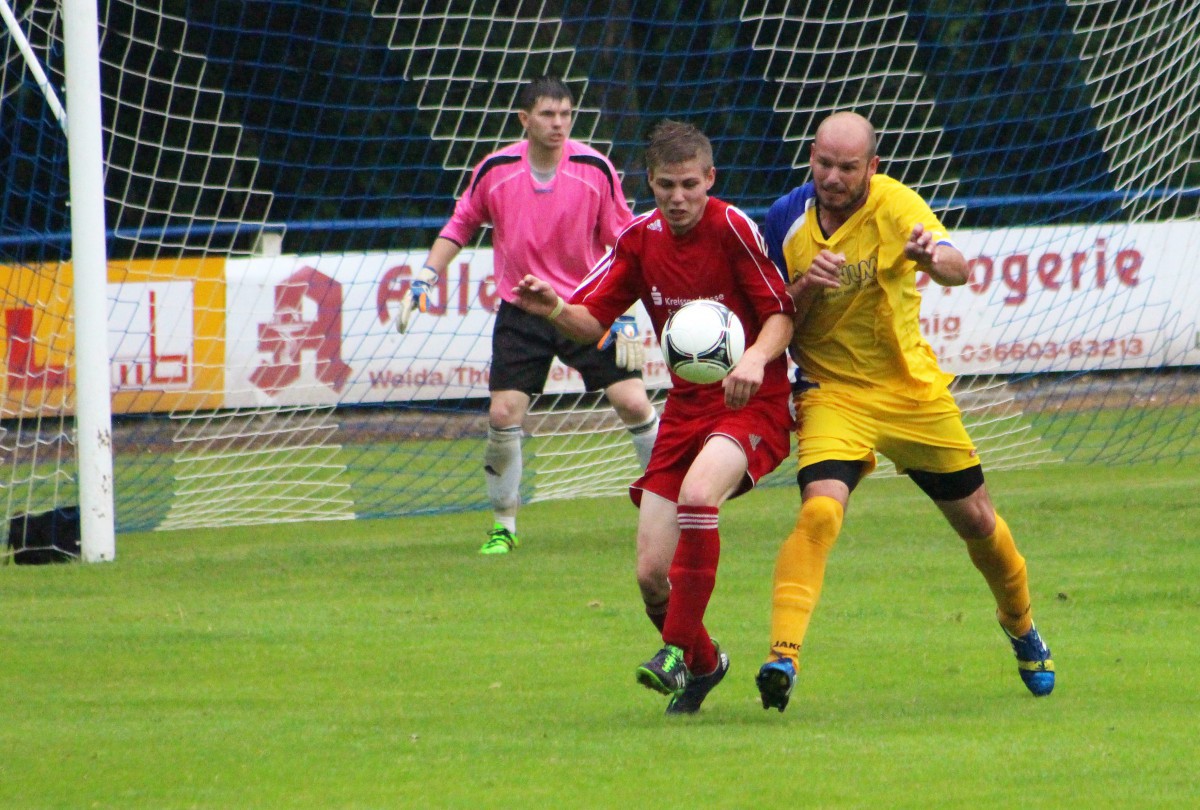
(762, 429)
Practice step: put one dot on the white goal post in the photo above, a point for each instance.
(93, 409)
(93, 414)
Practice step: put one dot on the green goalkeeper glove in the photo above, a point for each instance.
(417, 298)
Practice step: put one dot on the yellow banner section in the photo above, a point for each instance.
(166, 337)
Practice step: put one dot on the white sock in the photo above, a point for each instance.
(643, 437)
(502, 465)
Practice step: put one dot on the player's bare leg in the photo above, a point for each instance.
(658, 532)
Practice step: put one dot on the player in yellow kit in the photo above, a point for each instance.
(852, 242)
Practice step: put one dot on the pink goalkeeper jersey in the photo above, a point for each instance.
(555, 231)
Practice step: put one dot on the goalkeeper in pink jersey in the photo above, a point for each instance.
(555, 206)
(716, 440)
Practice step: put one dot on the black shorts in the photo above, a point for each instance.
(524, 345)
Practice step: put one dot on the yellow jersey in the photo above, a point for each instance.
(867, 332)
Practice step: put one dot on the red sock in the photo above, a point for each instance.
(658, 617)
(693, 576)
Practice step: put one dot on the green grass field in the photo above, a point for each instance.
(384, 664)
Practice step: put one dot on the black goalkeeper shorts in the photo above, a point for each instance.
(524, 345)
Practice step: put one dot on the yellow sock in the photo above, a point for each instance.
(1003, 567)
(799, 573)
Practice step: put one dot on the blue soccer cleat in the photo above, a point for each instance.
(775, 680)
(1033, 662)
(688, 701)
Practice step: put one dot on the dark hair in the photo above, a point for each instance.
(550, 87)
(677, 142)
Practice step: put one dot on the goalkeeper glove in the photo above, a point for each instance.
(417, 298)
(631, 354)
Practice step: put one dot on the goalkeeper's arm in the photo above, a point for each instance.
(417, 300)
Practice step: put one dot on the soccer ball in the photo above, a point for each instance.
(703, 341)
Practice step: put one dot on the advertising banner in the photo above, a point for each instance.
(1074, 298)
(319, 330)
(38, 339)
(166, 328)
(312, 330)
(166, 334)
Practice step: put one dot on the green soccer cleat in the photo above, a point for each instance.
(665, 672)
(500, 541)
(688, 701)
(775, 680)
(1034, 663)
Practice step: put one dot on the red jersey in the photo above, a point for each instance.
(722, 258)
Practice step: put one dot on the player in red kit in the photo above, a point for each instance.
(715, 440)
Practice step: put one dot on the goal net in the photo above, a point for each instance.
(274, 172)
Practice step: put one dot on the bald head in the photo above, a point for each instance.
(848, 132)
(843, 162)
